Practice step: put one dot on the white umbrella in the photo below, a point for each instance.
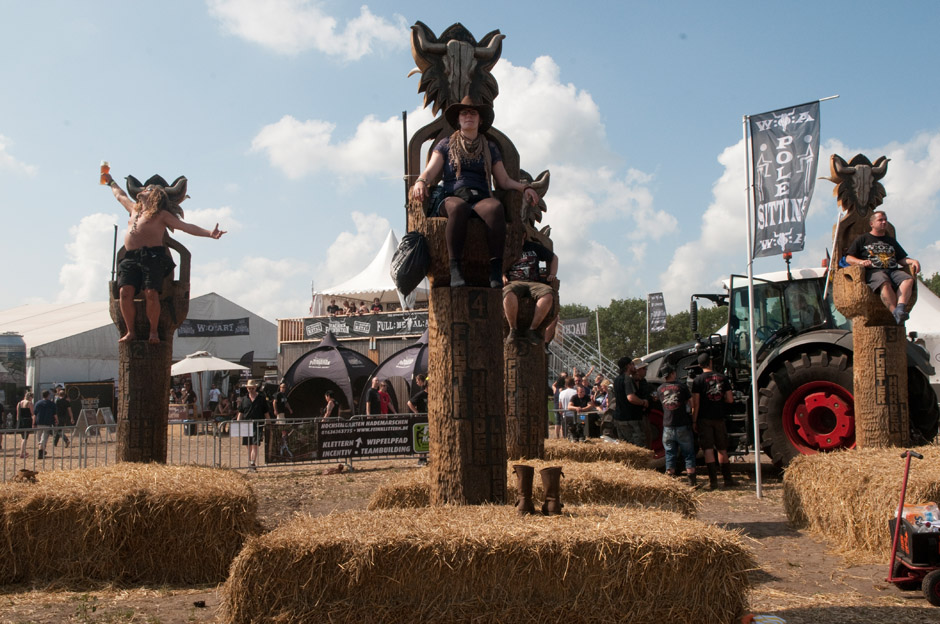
(201, 362)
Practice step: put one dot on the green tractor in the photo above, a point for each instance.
(804, 366)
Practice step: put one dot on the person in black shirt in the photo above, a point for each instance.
(373, 400)
(418, 403)
(253, 407)
(677, 423)
(524, 280)
(581, 404)
(63, 412)
(281, 407)
(711, 393)
(883, 258)
(628, 406)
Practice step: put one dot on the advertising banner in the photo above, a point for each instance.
(574, 327)
(206, 328)
(338, 439)
(657, 312)
(785, 152)
(412, 323)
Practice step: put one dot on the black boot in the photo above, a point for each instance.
(496, 272)
(456, 277)
(712, 475)
(692, 482)
(726, 473)
(524, 476)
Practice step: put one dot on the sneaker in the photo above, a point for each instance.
(40, 454)
(532, 337)
(513, 336)
(252, 467)
(900, 314)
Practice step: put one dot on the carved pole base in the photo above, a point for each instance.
(882, 416)
(143, 405)
(466, 406)
(526, 395)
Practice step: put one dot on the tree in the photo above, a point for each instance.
(932, 282)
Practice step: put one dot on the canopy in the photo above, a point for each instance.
(373, 281)
(404, 363)
(345, 368)
(202, 361)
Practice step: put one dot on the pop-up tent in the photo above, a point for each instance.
(328, 366)
(404, 363)
(373, 281)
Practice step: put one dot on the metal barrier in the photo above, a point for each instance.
(282, 443)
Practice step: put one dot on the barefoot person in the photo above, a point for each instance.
(147, 261)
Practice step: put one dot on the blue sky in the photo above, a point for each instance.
(285, 117)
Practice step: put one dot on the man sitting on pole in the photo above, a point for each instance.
(524, 280)
(882, 257)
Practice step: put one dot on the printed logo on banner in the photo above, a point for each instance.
(362, 327)
(574, 327)
(785, 153)
(421, 438)
(339, 327)
(318, 363)
(313, 329)
(405, 362)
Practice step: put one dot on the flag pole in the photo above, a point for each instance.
(750, 307)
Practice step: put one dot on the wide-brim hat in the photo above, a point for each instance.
(252, 383)
(639, 363)
(452, 114)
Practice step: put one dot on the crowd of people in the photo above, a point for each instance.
(51, 416)
(693, 413)
(350, 308)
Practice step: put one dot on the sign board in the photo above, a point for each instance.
(210, 328)
(412, 323)
(86, 417)
(335, 438)
(241, 429)
(104, 416)
(574, 327)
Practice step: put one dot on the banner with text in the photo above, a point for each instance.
(381, 325)
(657, 311)
(336, 439)
(574, 327)
(785, 150)
(212, 328)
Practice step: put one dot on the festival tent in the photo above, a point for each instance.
(373, 281)
(405, 364)
(925, 320)
(78, 341)
(328, 366)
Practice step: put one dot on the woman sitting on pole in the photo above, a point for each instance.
(468, 160)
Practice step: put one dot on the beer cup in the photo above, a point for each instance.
(105, 169)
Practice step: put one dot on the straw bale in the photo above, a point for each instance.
(125, 523)
(591, 450)
(486, 564)
(849, 497)
(592, 483)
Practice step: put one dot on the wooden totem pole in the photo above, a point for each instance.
(526, 364)
(144, 368)
(466, 402)
(882, 416)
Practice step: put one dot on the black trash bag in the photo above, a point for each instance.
(411, 262)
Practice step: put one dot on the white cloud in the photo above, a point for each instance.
(351, 252)
(208, 217)
(7, 161)
(84, 277)
(299, 148)
(293, 26)
(265, 286)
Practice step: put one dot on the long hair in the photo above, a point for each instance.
(154, 201)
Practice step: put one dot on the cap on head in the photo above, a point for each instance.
(704, 359)
(252, 383)
(666, 369)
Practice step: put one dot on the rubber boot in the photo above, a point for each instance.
(496, 272)
(456, 277)
(524, 476)
(692, 483)
(726, 473)
(712, 475)
(551, 485)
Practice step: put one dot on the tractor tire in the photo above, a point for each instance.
(923, 407)
(931, 587)
(807, 406)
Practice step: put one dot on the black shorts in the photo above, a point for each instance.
(145, 268)
(712, 434)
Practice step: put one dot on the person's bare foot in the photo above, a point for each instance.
(154, 339)
(127, 337)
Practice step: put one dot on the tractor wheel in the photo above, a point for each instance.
(807, 407)
(922, 402)
(931, 588)
(902, 570)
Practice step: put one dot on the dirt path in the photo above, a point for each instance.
(799, 578)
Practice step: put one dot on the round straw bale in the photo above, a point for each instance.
(598, 483)
(590, 450)
(125, 523)
(486, 564)
(849, 497)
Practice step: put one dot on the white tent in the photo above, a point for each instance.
(373, 281)
(78, 342)
(925, 320)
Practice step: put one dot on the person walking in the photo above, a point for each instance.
(63, 412)
(24, 420)
(253, 407)
(44, 419)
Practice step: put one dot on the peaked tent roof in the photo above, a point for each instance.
(375, 280)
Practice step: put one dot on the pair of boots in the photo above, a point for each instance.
(713, 475)
(551, 485)
(496, 273)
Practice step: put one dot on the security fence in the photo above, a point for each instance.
(225, 444)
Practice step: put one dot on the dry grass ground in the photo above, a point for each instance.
(799, 578)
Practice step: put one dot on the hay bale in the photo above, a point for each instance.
(593, 483)
(486, 564)
(125, 523)
(593, 450)
(848, 497)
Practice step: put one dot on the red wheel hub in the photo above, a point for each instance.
(820, 416)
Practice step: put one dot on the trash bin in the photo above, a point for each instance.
(189, 427)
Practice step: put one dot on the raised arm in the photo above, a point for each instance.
(119, 194)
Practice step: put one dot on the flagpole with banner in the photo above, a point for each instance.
(782, 153)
